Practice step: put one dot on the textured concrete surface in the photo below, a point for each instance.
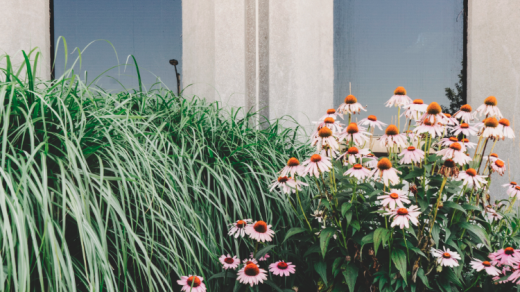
(301, 59)
(494, 69)
(272, 56)
(25, 25)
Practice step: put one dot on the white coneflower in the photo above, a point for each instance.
(317, 164)
(358, 171)
(353, 154)
(451, 120)
(392, 137)
(491, 129)
(393, 198)
(229, 262)
(318, 215)
(434, 114)
(293, 167)
(415, 109)
(499, 166)
(493, 215)
(446, 257)
(330, 123)
(504, 127)
(464, 129)
(454, 152)
(251, 274)
(260, 231)
(411, 155)
(448, 141)
(479, 265)
(514, 192)
(467, 144)
(287, 185)
(489, 108)
(331, 113)
(434, 129)
(325, 137)
(350, 106)
(354, 133)
(370, 160)
(402, 216)
(510, 187)
(399, 98)
(239, 228)
(492, 157)
(465, 114)
(372, 122)
(470, 178)
(385, 171)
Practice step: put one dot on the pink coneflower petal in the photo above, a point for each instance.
(239, 228)
(229, 262)
(192, 284)
(260, 231)
(251, 275)
(393, 198)
(487, 266)
(403, 216)
(262, 259)
(282, 269)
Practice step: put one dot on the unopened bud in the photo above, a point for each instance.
(348, 258)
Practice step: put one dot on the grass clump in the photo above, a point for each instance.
(125, 192)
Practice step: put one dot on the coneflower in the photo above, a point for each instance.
(317, 164)
(464, 129)
(471, 178)
(415, 109)
(446, 257)
(354, 133)
(399, 98)
(350, 105)
(489, 108)
(260, 231)
(325, 136)
(192, 284)
(491, 129)
(411, 155)
(504, 127)
(372, 121)
(454, 152)
(331, 113)
(293, 167)
(385, 171)
(465, 114)
(434, 129)
(434, 114)
(251, 275)
(353, 154)
(392, 137)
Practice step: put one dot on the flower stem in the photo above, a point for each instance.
(437, 205)
(406, 244)
(303, 212)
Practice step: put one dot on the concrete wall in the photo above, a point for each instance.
(272, 56)
(24, 25)
(494, 69)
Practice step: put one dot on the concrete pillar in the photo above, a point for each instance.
(25, 25)
(275, 57)
(494, 69)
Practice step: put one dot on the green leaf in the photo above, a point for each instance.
(348, 216)
(436, 233)
(470, 207)
(345, 207)
(321, 269)
(369, 238)
(423, 278)
(336, 266)
(415, 173)
(355, 225)
(263, 251)
(230, 274)
(453, 205)
(378, 237)
(451, 277)
(478, 232)
(273, 285)
(351, 274)
(312, 249)
(325, 236)
(399, 259)
(293, 231)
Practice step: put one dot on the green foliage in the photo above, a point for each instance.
(127, 191)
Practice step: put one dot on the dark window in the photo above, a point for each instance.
(379, 45)
(150, 30)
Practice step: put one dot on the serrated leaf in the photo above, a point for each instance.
(453, 205)
(478, 231)
(378, 238)
(321, 269)
(293, 231)
(263, 251)
(399, 260)
(351, 274)
(325, 236)
(345, 207)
